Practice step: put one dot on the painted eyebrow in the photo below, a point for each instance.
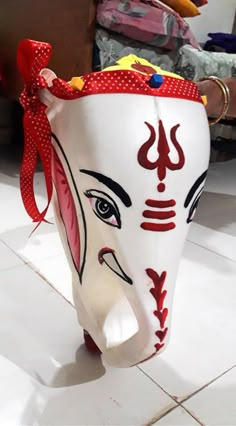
(111, 184)
(194, 188)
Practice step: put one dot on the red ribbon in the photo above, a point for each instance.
(32, 57)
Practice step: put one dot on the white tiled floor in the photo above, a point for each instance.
(46, 375)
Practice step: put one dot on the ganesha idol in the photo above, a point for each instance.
(125, 153)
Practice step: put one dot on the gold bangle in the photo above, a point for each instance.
(226, 93)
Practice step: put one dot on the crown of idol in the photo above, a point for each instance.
(129, 75)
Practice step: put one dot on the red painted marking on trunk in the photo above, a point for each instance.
(161, 313)
(150, 214)
(157, 227)
(160, 203)
(161, 334)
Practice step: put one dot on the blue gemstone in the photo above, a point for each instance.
(156, 81)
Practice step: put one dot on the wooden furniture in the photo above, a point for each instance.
(67, 25)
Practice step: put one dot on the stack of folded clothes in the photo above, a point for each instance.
(152, 29)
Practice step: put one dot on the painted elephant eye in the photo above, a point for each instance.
(193, 207)
(104, 207)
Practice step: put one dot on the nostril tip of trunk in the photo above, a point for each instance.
(90, 344)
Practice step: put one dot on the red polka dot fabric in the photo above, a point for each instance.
(127, 82)
(32, 57)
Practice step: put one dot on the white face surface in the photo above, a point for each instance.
(129, 171)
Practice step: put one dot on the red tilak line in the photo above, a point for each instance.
(159, 203)
(159, 215)
(147, 226)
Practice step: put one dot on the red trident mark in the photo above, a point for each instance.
(163, 161)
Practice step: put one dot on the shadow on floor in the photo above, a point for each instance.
(87, 367)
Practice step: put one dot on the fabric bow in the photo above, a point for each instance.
(32, 57)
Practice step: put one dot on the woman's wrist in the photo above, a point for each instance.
(218, 97)
(215, 96)
(231, 83)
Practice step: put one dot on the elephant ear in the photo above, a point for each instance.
(45, 96)
(75, 231)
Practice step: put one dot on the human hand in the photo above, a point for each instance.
(215, 96)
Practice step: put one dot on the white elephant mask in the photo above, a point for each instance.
(127, 150)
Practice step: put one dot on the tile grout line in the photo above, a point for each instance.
(157, 384)
(206, 385)
(8, 268)
(211, 251)
(157, 418)
(13, 251)
(179, 403)
(34, 269)
(192, 415)
(151, 423)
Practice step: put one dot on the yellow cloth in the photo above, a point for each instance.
(185, 8)
(129, 62)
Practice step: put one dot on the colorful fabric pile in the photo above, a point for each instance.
(148, 28)
(152, 30)
(148, 22)
(111, 47)
(194, 64)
